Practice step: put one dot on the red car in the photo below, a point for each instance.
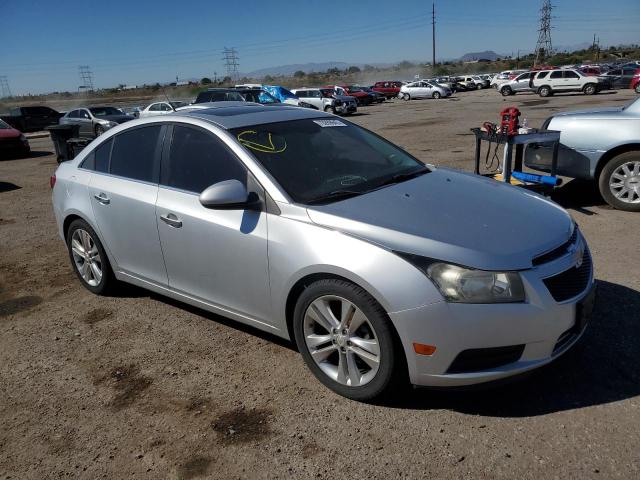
(362, 97)
(635, 81)
(12, 142)
(591, 71)
(388, 89)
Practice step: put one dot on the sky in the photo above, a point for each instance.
(140, 41)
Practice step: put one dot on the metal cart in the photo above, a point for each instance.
(513, 163)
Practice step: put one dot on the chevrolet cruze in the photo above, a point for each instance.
(304, 225)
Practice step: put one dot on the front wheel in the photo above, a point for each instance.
(88, 258)
(590, 89)
(506, 91)
(436, 95)
(637, 89)
(479, 86)
(619, 182)
(406, 97)
(99, 130)
(347, 340)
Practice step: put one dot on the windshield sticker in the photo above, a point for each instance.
(330, 123)
(261, 142)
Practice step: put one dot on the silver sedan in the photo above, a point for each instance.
(304, 225)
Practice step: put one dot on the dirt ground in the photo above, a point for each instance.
(142, 386)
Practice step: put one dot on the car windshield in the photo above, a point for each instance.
(353, 88)
(179, 104)
(104, 111)
(321, 160)
(4, 125)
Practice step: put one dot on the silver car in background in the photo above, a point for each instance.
(601, 145)
(94, 121)
(423, 89)
(309, 227)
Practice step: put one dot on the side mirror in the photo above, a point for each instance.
(228, 195)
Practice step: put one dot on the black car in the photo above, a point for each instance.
(621, 77)
(219, 95)
(377, 96)
(32, 119)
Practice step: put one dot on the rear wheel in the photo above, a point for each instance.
(544, 91)
(506, 91)
(619, 182)
(88, 258)
(347, 340)
(436, 95)
(479, 86)
(99, 130)
(637, 89)
(590, 89)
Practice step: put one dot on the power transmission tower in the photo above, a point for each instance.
(86, 75)
(433, 34)
(544, 49)
(4, 86)
(230, 57)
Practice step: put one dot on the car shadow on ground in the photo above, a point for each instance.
(8, 187)
(579, 195)
(602, 368)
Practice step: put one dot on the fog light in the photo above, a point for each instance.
(422, 349)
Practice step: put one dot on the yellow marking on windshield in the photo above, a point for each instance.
(259, 147)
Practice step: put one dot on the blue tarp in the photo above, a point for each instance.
(280, 93)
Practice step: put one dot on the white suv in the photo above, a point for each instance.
(327, 100)
(548, 82)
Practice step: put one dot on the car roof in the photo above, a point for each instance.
(230, 115)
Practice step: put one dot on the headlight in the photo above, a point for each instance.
(467, 285)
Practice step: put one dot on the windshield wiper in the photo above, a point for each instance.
(335, 195)
(401, 177)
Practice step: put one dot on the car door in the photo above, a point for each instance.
(123, 192)
(85, 122)
(556, 80)
(572, 81)
(215, 256)
(314, 97)
(521, 82)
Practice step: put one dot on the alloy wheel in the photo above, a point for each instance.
(341, 340)
(624, 182)
(86, 257)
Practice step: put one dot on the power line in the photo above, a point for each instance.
(230, 57)
(4, 86)
(86, 76)
(544, 48)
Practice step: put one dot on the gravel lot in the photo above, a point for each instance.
(139, 385)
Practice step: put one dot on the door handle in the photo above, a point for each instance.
(172, 220)
(102, 198)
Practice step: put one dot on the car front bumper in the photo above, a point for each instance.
(514, 338)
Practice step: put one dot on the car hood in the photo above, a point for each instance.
(455, 217)
(117, 118)
(9, 133)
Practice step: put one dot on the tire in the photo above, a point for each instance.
(506, 91)
(637, 89)
(406, 97)
(77, 244)
(372, 380)
(99, 130)
(590, 89)
(436, 95)
(479, 86)
(619, 182)
(330, 109)
(544, 91)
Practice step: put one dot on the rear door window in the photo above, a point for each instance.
(570, 74)
(556, 74)
(134, 154)
(198, 159)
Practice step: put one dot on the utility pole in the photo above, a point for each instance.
(4, 86)
(544, 48)
(518, 60)
(230, 57)
(86, 75)
(433, 34)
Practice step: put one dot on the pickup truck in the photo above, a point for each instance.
(32, 119)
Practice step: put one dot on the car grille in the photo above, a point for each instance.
(572, 282)
(556, 252)
(479, 359)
